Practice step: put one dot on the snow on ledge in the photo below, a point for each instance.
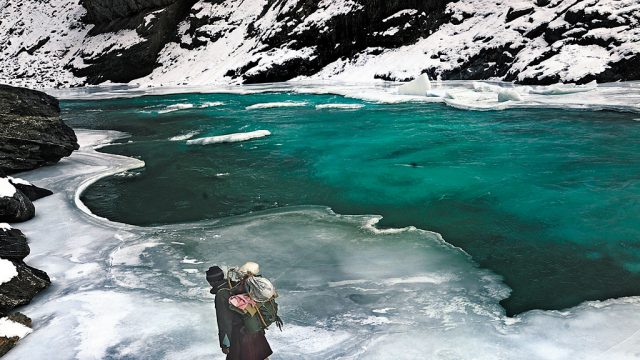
(6, 189)
(10, 328)
(7, 271)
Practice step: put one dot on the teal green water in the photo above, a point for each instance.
(548, 199)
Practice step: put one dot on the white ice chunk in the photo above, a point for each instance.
(5, 226)
(509, 95)
(210, 104)
(340, 106)
(6, 189)
(272, 105)
(184, 137)
(419, 86)
(7, 271)
(10, 328)
(236, 137)
(175, 107)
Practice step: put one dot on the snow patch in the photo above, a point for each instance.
(7, 271)
(10, 329)
(5, 227)
(6, 189)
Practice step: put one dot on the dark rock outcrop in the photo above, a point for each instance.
(13, 244)
(31, 131)
(31, 191)
(154, 21)
(16, 208)
(22, 288)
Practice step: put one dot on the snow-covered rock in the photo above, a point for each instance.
(177, 42)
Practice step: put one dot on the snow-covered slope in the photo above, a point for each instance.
(173, 42)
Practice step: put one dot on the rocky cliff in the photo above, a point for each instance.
(31, 131)
(174, 42)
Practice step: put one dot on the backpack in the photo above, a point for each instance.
(266, 314)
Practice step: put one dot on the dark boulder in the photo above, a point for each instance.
(14, 207)
(7, 343)
(31, 131)
(22, 287)
(31, 191)
(13, 244)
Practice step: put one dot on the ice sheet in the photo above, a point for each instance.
(468, 95)
(347, 290)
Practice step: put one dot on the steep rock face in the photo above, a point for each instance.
(175, 42)
(31, 132)
(141, 27)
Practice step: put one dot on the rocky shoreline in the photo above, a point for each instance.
(31, 135)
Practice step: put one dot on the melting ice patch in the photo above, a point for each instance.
(5, 226)
(229, 138)
(272, 105)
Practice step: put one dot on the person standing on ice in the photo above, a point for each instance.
(245, 307)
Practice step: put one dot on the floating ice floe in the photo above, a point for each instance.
(175, 107)
(210, 104)
(7, 271)
(184, 137)
(340, 106)
(229, 138)
(419, 86)
(6, 189)
(272, 105)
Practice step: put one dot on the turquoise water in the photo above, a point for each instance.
(548, 199)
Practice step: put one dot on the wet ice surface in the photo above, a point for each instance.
(346, 290)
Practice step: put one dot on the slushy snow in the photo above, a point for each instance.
(229, 138)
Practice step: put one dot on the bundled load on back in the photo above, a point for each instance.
(245, 308)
